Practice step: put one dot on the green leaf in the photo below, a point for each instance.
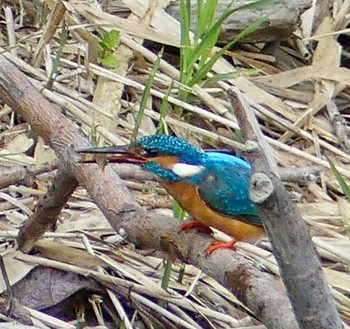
(110, 40)
(110, 61)
(103, 47)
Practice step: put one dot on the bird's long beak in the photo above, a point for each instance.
(117, 154)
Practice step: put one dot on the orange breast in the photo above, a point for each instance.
(186, 195)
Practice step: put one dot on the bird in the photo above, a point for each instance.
(211, 186)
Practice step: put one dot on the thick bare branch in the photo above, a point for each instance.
(299, 263)
(47, 210)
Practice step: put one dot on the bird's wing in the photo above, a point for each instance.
(227, 191)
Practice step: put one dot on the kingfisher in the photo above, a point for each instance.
(211, 186)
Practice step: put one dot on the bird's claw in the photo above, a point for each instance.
(195, 224)
(221, 245)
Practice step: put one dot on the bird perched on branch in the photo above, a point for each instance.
(212, 187)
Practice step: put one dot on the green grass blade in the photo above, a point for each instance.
(186, 48)
(206, 45)
(346, 190)
(185, 20)
(165, 281)
(207, 31)
(204, 49)
(255, 4)
(95, 136)
(232, 75)
(163, 111)
(146, 93)
(167, 273)
(200, 26)
(202, 72)
(205, 16)
(56, 61)
(209, 40)
(344, 186)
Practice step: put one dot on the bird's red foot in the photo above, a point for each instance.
(221, 245)
(195, 224)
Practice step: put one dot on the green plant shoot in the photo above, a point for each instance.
(199, 49)
(107, 45)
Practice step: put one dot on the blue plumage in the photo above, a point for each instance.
(170, 145)
(224, 186)
(223, 182)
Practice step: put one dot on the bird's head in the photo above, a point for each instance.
(169, 157)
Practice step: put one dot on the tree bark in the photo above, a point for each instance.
(47, 210)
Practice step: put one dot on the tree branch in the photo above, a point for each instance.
(298, 260)
(47, 210)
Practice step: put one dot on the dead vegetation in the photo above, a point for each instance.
(300, 97)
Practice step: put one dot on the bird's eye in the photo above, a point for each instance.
(152, 153)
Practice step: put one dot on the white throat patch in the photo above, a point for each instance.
(185, 170)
